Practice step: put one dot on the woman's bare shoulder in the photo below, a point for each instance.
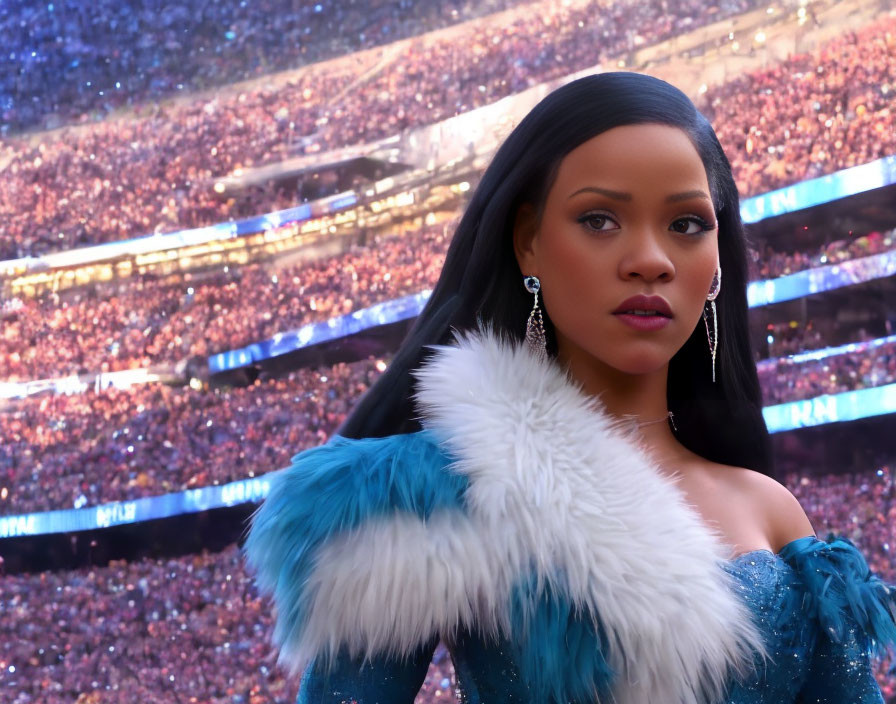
(784, 516)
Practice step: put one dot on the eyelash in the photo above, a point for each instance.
(701, 222)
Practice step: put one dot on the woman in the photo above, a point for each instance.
(564, 473)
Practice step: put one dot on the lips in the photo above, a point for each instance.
(645, 306)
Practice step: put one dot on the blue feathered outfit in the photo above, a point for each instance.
(534, 536)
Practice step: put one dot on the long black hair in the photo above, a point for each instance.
(481, 279)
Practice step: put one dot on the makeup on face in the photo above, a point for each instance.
(626, 248)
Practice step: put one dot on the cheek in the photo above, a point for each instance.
(578, 294)
(698, 269)
(574, 275)
(695, 275)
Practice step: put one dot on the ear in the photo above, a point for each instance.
(525, 229)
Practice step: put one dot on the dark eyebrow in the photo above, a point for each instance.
(615, 195)
(687, 195)
(619, 195)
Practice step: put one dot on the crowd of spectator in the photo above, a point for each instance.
(785, 380)
(148, 321)
(790, 337)
(82, 450)
(193, 628)
(86, 449)
(812, 114)
(154, 172)
(770, 264)
(151, 322)
(64, 62)
(188, 629)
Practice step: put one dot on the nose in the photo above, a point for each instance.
(644, 256)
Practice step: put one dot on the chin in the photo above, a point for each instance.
(640, 364)
(641, 369)
(626, 357)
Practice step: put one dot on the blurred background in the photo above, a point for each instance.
(218, 218)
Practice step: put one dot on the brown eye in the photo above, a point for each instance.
(690, 226)
(597, 222)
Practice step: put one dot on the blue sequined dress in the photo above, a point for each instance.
(821, 647)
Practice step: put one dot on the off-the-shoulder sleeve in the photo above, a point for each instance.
(323, 545)
(853, 612)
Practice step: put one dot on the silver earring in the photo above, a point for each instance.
(535, 336)
(713, 335)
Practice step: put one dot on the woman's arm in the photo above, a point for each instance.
(840, 587)
(840, 673)
(853, 612)
(380, 680)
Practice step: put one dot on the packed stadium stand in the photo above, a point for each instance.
(127, 53)
(122, 504)
(144, 174)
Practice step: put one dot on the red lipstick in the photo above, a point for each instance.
(644, 312)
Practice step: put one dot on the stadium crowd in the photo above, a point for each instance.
(86, 449)
(785, 380)
(127, 177)
(64, 63)
(812, 114)
(188, 629)
(82, 450)
(191, 629)
(770, 264)
(790, 337)
(93, 635)
(152, 322)
(148, 321)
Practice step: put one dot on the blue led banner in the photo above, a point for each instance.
(816, 191)
(831, 408)
(325, 331)
(823, 278)
(854, 348)
(146, 509)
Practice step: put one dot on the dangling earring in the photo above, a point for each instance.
(713, 336)
(535, 337)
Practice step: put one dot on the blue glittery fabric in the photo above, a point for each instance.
(824, 616)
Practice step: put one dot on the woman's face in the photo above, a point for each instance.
(629, 214)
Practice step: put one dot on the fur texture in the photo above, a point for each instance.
(519, 511)
(312, 538)
(557, 490)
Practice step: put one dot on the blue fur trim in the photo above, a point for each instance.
(335, 488)
(560, 652)
(841, 591)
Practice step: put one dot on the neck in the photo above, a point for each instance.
(642, 396)
(639, 398)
